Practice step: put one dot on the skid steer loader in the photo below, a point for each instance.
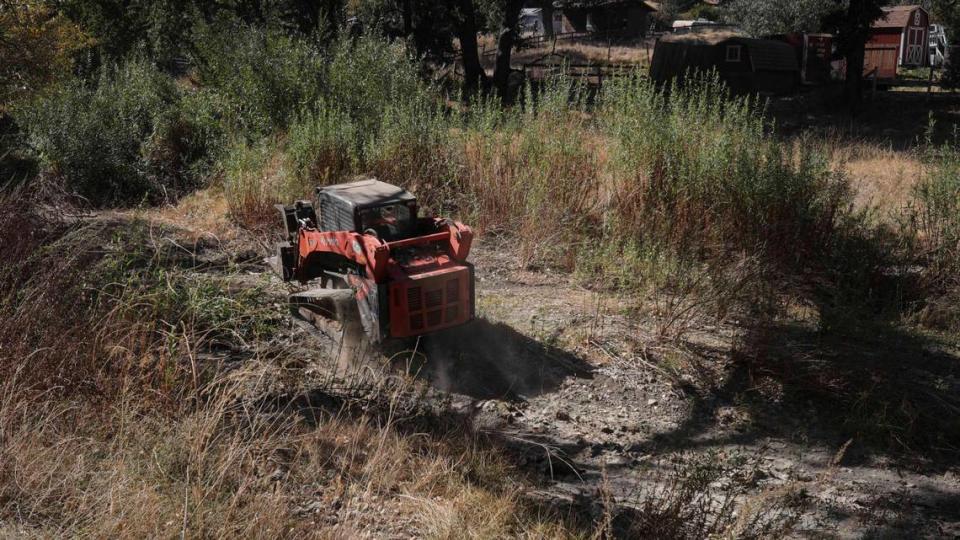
(378, 271)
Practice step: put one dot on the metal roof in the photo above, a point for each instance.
(583, 4)
(705, 37)
(895, 17)
(369, 192)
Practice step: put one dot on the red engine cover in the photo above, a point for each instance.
(430, 301)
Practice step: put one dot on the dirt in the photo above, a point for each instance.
(576, 385)
(623, 412)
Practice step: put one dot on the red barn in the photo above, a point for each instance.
(898, 38)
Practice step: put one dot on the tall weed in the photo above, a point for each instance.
(119, 139)
(936, 218)
(938, 211)
(262, 77)
(695, 168)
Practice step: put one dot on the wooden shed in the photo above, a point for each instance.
(814, 53)
(898, 38)
(745, 64)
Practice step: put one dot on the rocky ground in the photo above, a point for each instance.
(624, 410)
(579, 389)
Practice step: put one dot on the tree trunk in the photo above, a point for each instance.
(546, 17)
(854, 33)
(853, 89)
(507, 37)
(407, 12)
(473, 74)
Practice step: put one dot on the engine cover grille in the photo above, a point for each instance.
(432, 303)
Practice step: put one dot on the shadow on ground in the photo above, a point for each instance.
(895, 119)
(892, 392)
(486, 360)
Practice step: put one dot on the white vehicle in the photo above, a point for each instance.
(938, 45)
(531, 22)
(688, 26)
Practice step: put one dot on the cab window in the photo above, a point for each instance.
(389, 222)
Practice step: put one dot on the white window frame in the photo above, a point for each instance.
(738, 50)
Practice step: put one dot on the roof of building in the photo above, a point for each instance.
(765, 54)
(369, 192)
(895, 17)
(581, 4)
(706, 37)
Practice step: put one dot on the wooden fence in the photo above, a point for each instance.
(589, 74)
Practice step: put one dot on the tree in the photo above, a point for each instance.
(851, 24)
(431, 26)
(947, 13)
(162, 30)
(475, 77)
(37, 47)
(427, 25)
(505, 41)
(766, 17)
(670, 10)
(546, 17)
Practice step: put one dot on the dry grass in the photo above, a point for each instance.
(115, 421)
(588, 53)
(129, 425)
(203, 213)
(118, 418)
(883, 178)
(636, 53)
(228, 469)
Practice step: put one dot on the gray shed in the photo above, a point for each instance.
(746, 65)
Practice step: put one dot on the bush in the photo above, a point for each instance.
(936, 218)
(119, 139)
(374, 115)
(324, 145)
(370, 76)
(726, 185)
(254, 179)
(264, 78)
(533, 172)
(938, 211)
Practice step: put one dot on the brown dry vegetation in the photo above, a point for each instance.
(162, 394)
(883, 178)
(151, 385)
(120, 419)
(585, 53)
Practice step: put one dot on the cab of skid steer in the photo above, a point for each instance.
(368, 206)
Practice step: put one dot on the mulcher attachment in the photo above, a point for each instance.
(331, 313)
(292, 216)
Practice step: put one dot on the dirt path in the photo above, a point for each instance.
(611, 410)
(606, 416)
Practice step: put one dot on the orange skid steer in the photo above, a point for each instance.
(383, 271)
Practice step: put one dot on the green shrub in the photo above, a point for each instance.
(529, 171)
(254, 181)
(938, 211)
(118, 139)
(412, 150)
(264, 77)
(695, 169)
(324, 146)
(373, 114)
(368, 76)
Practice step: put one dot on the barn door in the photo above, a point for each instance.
(914, 56)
